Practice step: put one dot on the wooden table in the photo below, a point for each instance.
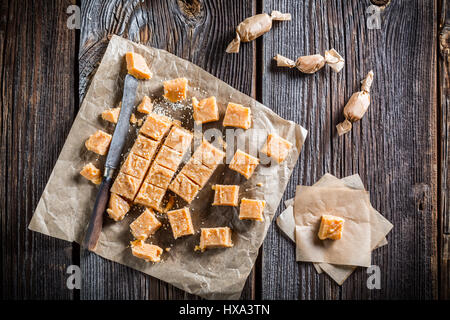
(400, 148)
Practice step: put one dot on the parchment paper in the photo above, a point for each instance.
(66, 203)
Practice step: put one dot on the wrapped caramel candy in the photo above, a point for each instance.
(357, 106)
(253, 27)
(313, 63)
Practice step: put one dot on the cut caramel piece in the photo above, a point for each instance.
(137, 66)
(133, 119)
(148, 252)
(98, 142)
(150, 196)
(146, 105)
(215, 238)
(197, 172)
(126, 186)
(205, 110)
(117, 207)
(226, 195)
(331, 227)
(244, 163)
(145, 225)
(252, 209)
(184, 187)
(159, 176)
(208, 155)
(144, 147)
(237, 116)
(168, 158)
(181, 222)
(111, 115)
(276, 147)
(135, 166)
(156, 126)
(91, 173)
(179, 139)
(175, 90)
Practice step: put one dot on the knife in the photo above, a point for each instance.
(112, 162)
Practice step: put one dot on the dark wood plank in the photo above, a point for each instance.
(195, 30)
(37, 58)
(393, 148)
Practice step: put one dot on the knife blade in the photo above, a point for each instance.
(112, 162)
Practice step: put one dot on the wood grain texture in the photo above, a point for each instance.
(393, 148)
(37, 60)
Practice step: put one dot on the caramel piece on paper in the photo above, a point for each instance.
(197, 172)
(145, 225)
(175, 90)
(146, 105)
(159, 176)
(98, 142)
(276, 147)
(205, 110)
(126, 186)
(144, 147)
(111, 115)
(237, 116)
(156, 126)
(180, 222)
(148, 252)
(252, 209)
(133, 119)
(91, 173)
(184, 187)
(137, 66)
(168, 158)
(226, 195)
(215, 238)
(179, 139)
(118, 207)
(135, 166)
(253, 27)
(208, 155)
(331, 227)
(313, 63)
(150, 196)
(244, 163)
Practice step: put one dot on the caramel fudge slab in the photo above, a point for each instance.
(168, 158)
(252, 209)
(92, 173)
(180, 222)
(244, 163)
(150, 196)
(208, 155)
(184, 187)
(215, 238)
(137, 66)
(126, 186)
(175, 90)
(238, 116)
(159, 176)
(156, 126)
(276, 147)
(205, 110)
(144, 147)
(118, 207)
(146, 105)
(179, 139)
(331, 227)
(111, 115)
(197, 172)
(98, 142)
(145, 225)
(135, 166)
(148, 252)
(226, 195)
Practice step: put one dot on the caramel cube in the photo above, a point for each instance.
(252, 209)
(146, 105)
(276, 147)
(331, 227)
(208, 155)
(145, 225)
(98, 142)
(137, 66)
(156, 126)
(205, 110)
(168, 158)
(135, 166)
(117, 207)
(91, 173)
(159, 176)
(175, 90)
(181, 222)
(111, 115)
(179, 139)
(237, 116)
(215, 238)
(244, 163)
(148, 252)
(197, 172)
(226, 195)
(184, 187)
(150, 196)
(144, 147)
(126, 186)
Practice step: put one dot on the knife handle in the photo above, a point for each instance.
(96, 222)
